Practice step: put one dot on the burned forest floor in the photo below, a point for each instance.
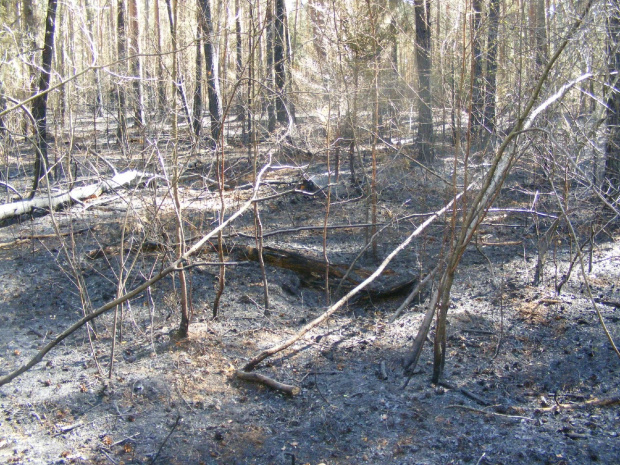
(525, 367)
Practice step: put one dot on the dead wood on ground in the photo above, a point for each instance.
(269, 382)
(77, 194)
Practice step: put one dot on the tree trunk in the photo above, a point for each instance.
(611, 184)
(161, 90)
(282, 114)
(121, 132)
(197, 108)
(491, 65)
(477, 98)
(39, 104)
(540, 34)
(29, 31)
(239, 64)
(2, 108)
(271, 110)
(90, 21)
(213, 82)
(423, 59)
(134, 64)
(178, 79)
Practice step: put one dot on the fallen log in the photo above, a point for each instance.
(306, 266)
(313, 272)
(81, 193)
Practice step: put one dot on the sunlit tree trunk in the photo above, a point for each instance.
(29, 32)
(171, 6)
(271, 110)
(90, 23)
(197, 107)
(121, 133)
(423, 59)
(135, 66)
(477, 99)
(39, 104)
(282, 114)
(161, 90)
(239, 62)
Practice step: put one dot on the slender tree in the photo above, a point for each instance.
(477, 98)
(90, 23)
(423, 58)
(121, 46)
(161, 88)
(171, 6)
(271, 110)
(211, 63)
(490, 90)
(39, 104)
(197, 107)
(135, 65)
(540, 34)
(282, 113)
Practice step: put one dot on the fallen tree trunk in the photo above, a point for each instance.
(254, 362)
(54, 202)
(313, 270)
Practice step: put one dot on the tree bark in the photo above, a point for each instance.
(121, 132)
(271, 110)
(540, 34)
(213, 81)
(282, 114)
(135, 65)
(90, 21)
(39, 104)
(197, 108)
(477, 99)
(161, 90)
(612, 163)
(423, 59)
(178, 78)
(491, 65)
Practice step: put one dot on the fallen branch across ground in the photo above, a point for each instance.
(54, 202)
(26, 238)
(592, 403)
(269, 382)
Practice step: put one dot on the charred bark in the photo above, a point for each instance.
(39, 104)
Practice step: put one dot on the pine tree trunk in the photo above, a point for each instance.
(197, 108)
(121, 132)
(161, 90)
(491, 65)
(271, 111)
(134, 64)
(282, 115)
(423, 59)
(39, 104)
(213, 82)
(477, 99)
